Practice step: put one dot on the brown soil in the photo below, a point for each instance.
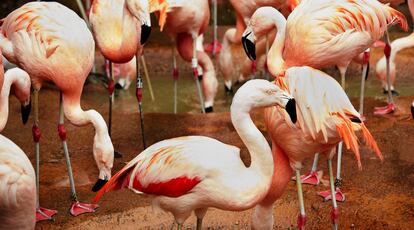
(381, 196)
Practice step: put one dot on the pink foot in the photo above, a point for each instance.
(385, 109)
(81, 208)
(214, 47)
(327, 195)
(312, 178)
(301, 221)
(44, 214)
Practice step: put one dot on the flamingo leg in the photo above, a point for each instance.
(111, 87)
(302, 214)
(41, 213)
(179, 226)
(363, 78)
(175, 76)
(335, 212)
(194, 65)
(77, 208)
(215, 46)
(390, 107)
(313, 177)
(199, 223)
(339, 196)
(138, 94)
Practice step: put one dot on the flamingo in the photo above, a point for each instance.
(187, 21)
(18, 81)
(396, 46)
(43, 38)
(325, 114)
(349, 31)
(124, 74)
(17, 188)
(120, 28)
(193, 173)
(244, 10)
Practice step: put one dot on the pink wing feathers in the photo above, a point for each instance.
(324, 108)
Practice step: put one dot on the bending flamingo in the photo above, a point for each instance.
(244, 10)
(43, 39)
(17, 188)
(325, 115)
(344, 30)
(194, 173)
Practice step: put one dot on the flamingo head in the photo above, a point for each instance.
(259, 25)
(262, 93)
(103, 152)
(21, 89)
(140, 9)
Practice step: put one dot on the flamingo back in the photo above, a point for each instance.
(339, 24)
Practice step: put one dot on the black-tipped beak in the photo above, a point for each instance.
(249, 47)
(291, 110)
(412, 110)
(98, 185)
(145, 33)
(25, 110)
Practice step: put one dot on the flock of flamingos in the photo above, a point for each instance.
(307, 113)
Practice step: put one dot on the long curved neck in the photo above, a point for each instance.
(275, 60)
(9, 80)
(261, 169)
(401, 44)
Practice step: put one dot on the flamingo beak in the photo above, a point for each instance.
(98, 185)
(25, 110)
(412, 110)
(145, 33)
(291, 110)
(248, 44)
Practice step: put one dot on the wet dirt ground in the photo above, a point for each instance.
(381, 196)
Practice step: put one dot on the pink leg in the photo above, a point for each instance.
(41, 213)
(390, 107)
(313, 177)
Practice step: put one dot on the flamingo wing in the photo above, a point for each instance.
(325, 110)
(169, 168)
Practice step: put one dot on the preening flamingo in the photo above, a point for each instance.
(193, 173)
(336, 32)
(325, 113)
(51, 43)
(17, 188)
(244, 9)
(18, 81)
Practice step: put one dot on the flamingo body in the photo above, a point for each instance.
(193, 173)
(17, 188)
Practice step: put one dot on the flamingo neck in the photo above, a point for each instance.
(401, 44)
(11, 78)
(275, 60)
(259, 174)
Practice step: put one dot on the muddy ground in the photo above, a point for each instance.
(381, 196)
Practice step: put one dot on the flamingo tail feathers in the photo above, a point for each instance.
(399, 18)
(347, 134)
(162, 7)
(118, 181)
(370, 141)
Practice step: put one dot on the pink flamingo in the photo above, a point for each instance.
(193, 173)
(187, 21)
(17, 188)
(244, 10)
(325, 113)
(43, 38)
(346, 24)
